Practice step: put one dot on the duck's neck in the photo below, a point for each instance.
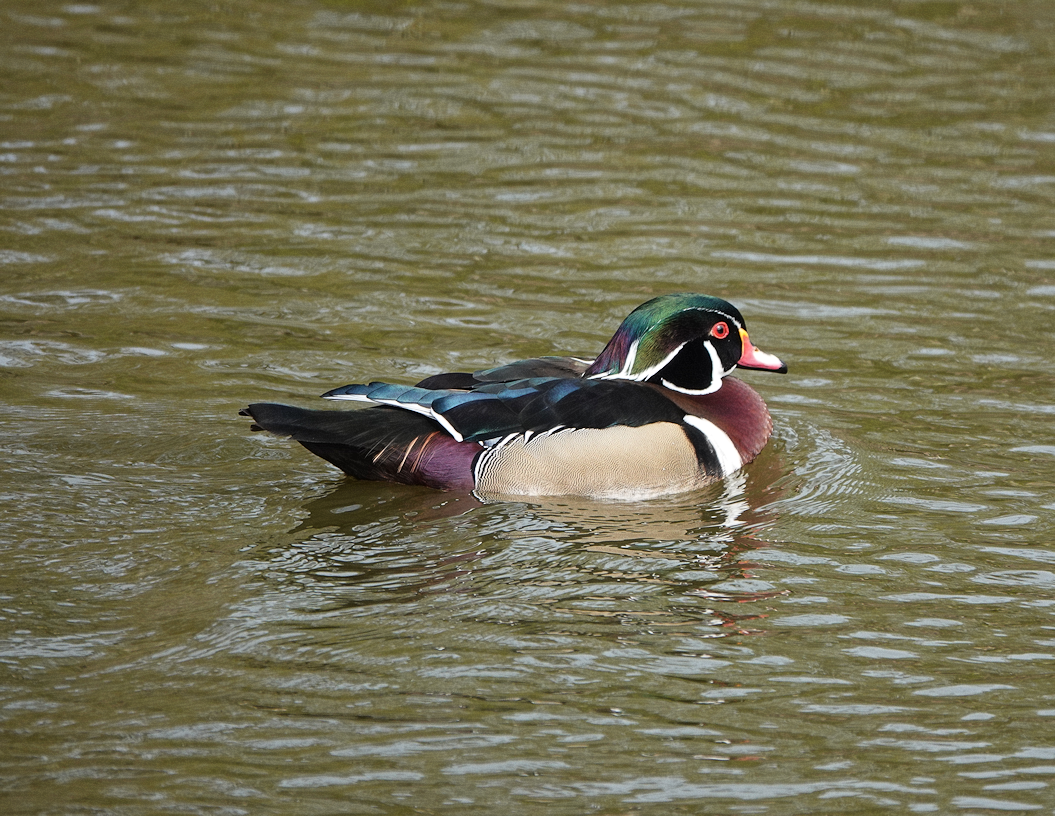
(736, 408)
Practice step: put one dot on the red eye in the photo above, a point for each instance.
(720, 330)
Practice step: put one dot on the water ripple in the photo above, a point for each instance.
(217, 206)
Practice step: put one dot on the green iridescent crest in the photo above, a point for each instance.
(653, 334)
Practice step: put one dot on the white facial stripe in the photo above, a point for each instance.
(695, 392)
(728, 317)
(631, 355)
(717, 372)
(729, 458)
(648, 372)
(624, 372)
(716, 375)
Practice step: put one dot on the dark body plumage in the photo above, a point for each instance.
(381, 444)
(652, 415)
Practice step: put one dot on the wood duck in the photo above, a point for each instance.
(655, 413)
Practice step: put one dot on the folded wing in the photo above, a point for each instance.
(492, 411)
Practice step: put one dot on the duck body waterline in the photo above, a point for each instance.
(654, 414)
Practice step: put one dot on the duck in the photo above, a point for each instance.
(655, 413)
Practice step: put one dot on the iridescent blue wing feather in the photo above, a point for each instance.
(538, 404)
(387, 393)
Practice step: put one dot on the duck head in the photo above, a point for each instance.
(684, 342)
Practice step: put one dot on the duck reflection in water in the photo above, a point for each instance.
(581, 559)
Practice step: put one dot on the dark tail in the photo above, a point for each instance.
(379, 444)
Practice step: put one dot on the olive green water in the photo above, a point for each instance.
(203, 205)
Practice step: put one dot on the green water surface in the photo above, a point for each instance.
(208, 204)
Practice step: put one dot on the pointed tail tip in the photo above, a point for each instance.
(248, 412)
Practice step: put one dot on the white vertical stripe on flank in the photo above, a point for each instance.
(729, 458)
